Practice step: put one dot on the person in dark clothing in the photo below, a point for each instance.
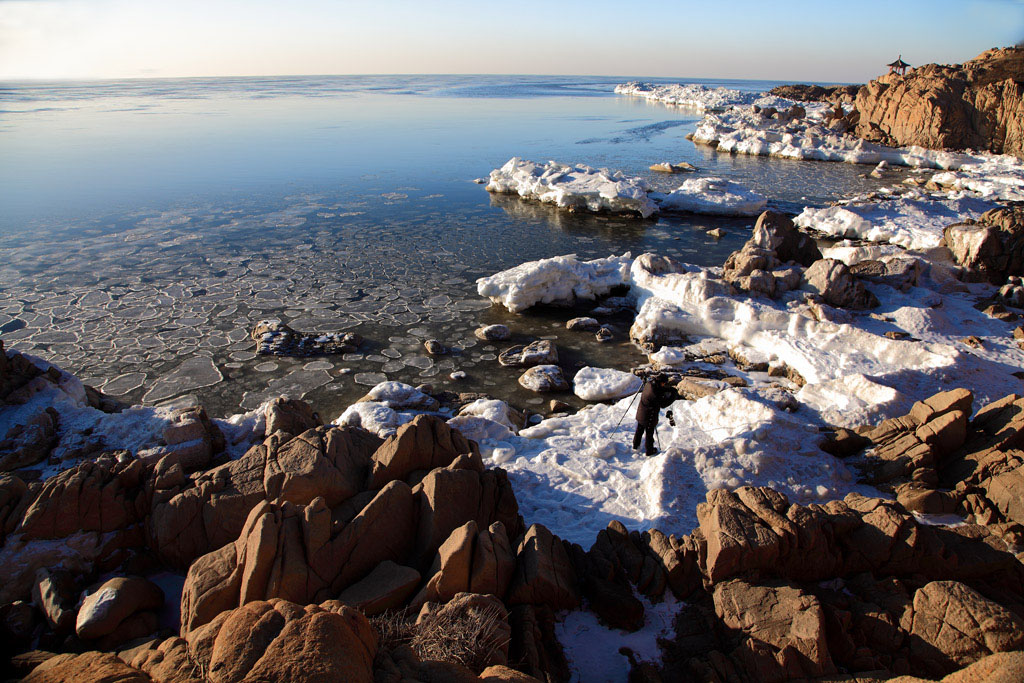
(656, 394)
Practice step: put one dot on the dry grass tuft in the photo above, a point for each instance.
(470, 637)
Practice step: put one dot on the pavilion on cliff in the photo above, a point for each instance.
(898, 67)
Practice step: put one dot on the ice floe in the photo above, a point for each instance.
(603, 384)
(712, 196)
(572, 186)
(557, 280)
(581, 187)
(701, 97)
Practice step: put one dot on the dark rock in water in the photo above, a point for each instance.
(583, 325)
(434, 347)
(605, 334)
(539, 352)
(492, 333)
(274, 338)
(544, 378)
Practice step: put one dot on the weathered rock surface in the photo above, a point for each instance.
(991, 248)
(191, 518)
(119, 610)
(839, 287)
(423, 444)
(978, 105)
(278, 640)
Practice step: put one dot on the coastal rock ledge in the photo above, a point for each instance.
(976, 105)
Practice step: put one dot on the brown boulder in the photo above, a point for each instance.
(838, 286)
(990, 248)
(449, 497)
(29, 442)
(282, 641)
(289, 415)
(777, 233)
(166, 661)
(387, 587)
(114, 602)
(784, 629)
(331, 464)
(953, 625)
(544, 574)
(105, 495)
(55, 594)
(286, 551)
(470, 561)
(90, 667)
(423, 444)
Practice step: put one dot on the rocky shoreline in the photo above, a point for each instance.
(839, 499)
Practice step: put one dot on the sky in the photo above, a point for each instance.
(798, 40)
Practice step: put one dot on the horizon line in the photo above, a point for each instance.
(682, 79)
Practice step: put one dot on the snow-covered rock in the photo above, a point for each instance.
(712, 196)
(493, 410)
(557, 280)
(856, 355)
(603, 384)
(480, 429)
(398, 395)
(573, 187)
(912, 223)
(731, 438)
(374, 417)
(544, 378)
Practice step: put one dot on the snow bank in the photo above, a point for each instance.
(712, 196)
(990, 176)
(703, 98)
(692, 95)
(603, 384)
(912, 223)
(880, 375)
(574, 187)
(732, 438)
(741, 131)
(135, 429)
(561, 280)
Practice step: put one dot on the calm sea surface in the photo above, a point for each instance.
(147, 225)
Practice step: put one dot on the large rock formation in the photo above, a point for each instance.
(975, 105)
(348, 558)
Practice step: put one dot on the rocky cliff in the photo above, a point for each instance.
(976, 105)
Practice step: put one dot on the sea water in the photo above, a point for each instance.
(147, 225)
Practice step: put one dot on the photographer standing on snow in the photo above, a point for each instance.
(656, 394)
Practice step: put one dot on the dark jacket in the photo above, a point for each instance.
(652, 400)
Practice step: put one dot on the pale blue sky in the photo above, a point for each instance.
(796, 40)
